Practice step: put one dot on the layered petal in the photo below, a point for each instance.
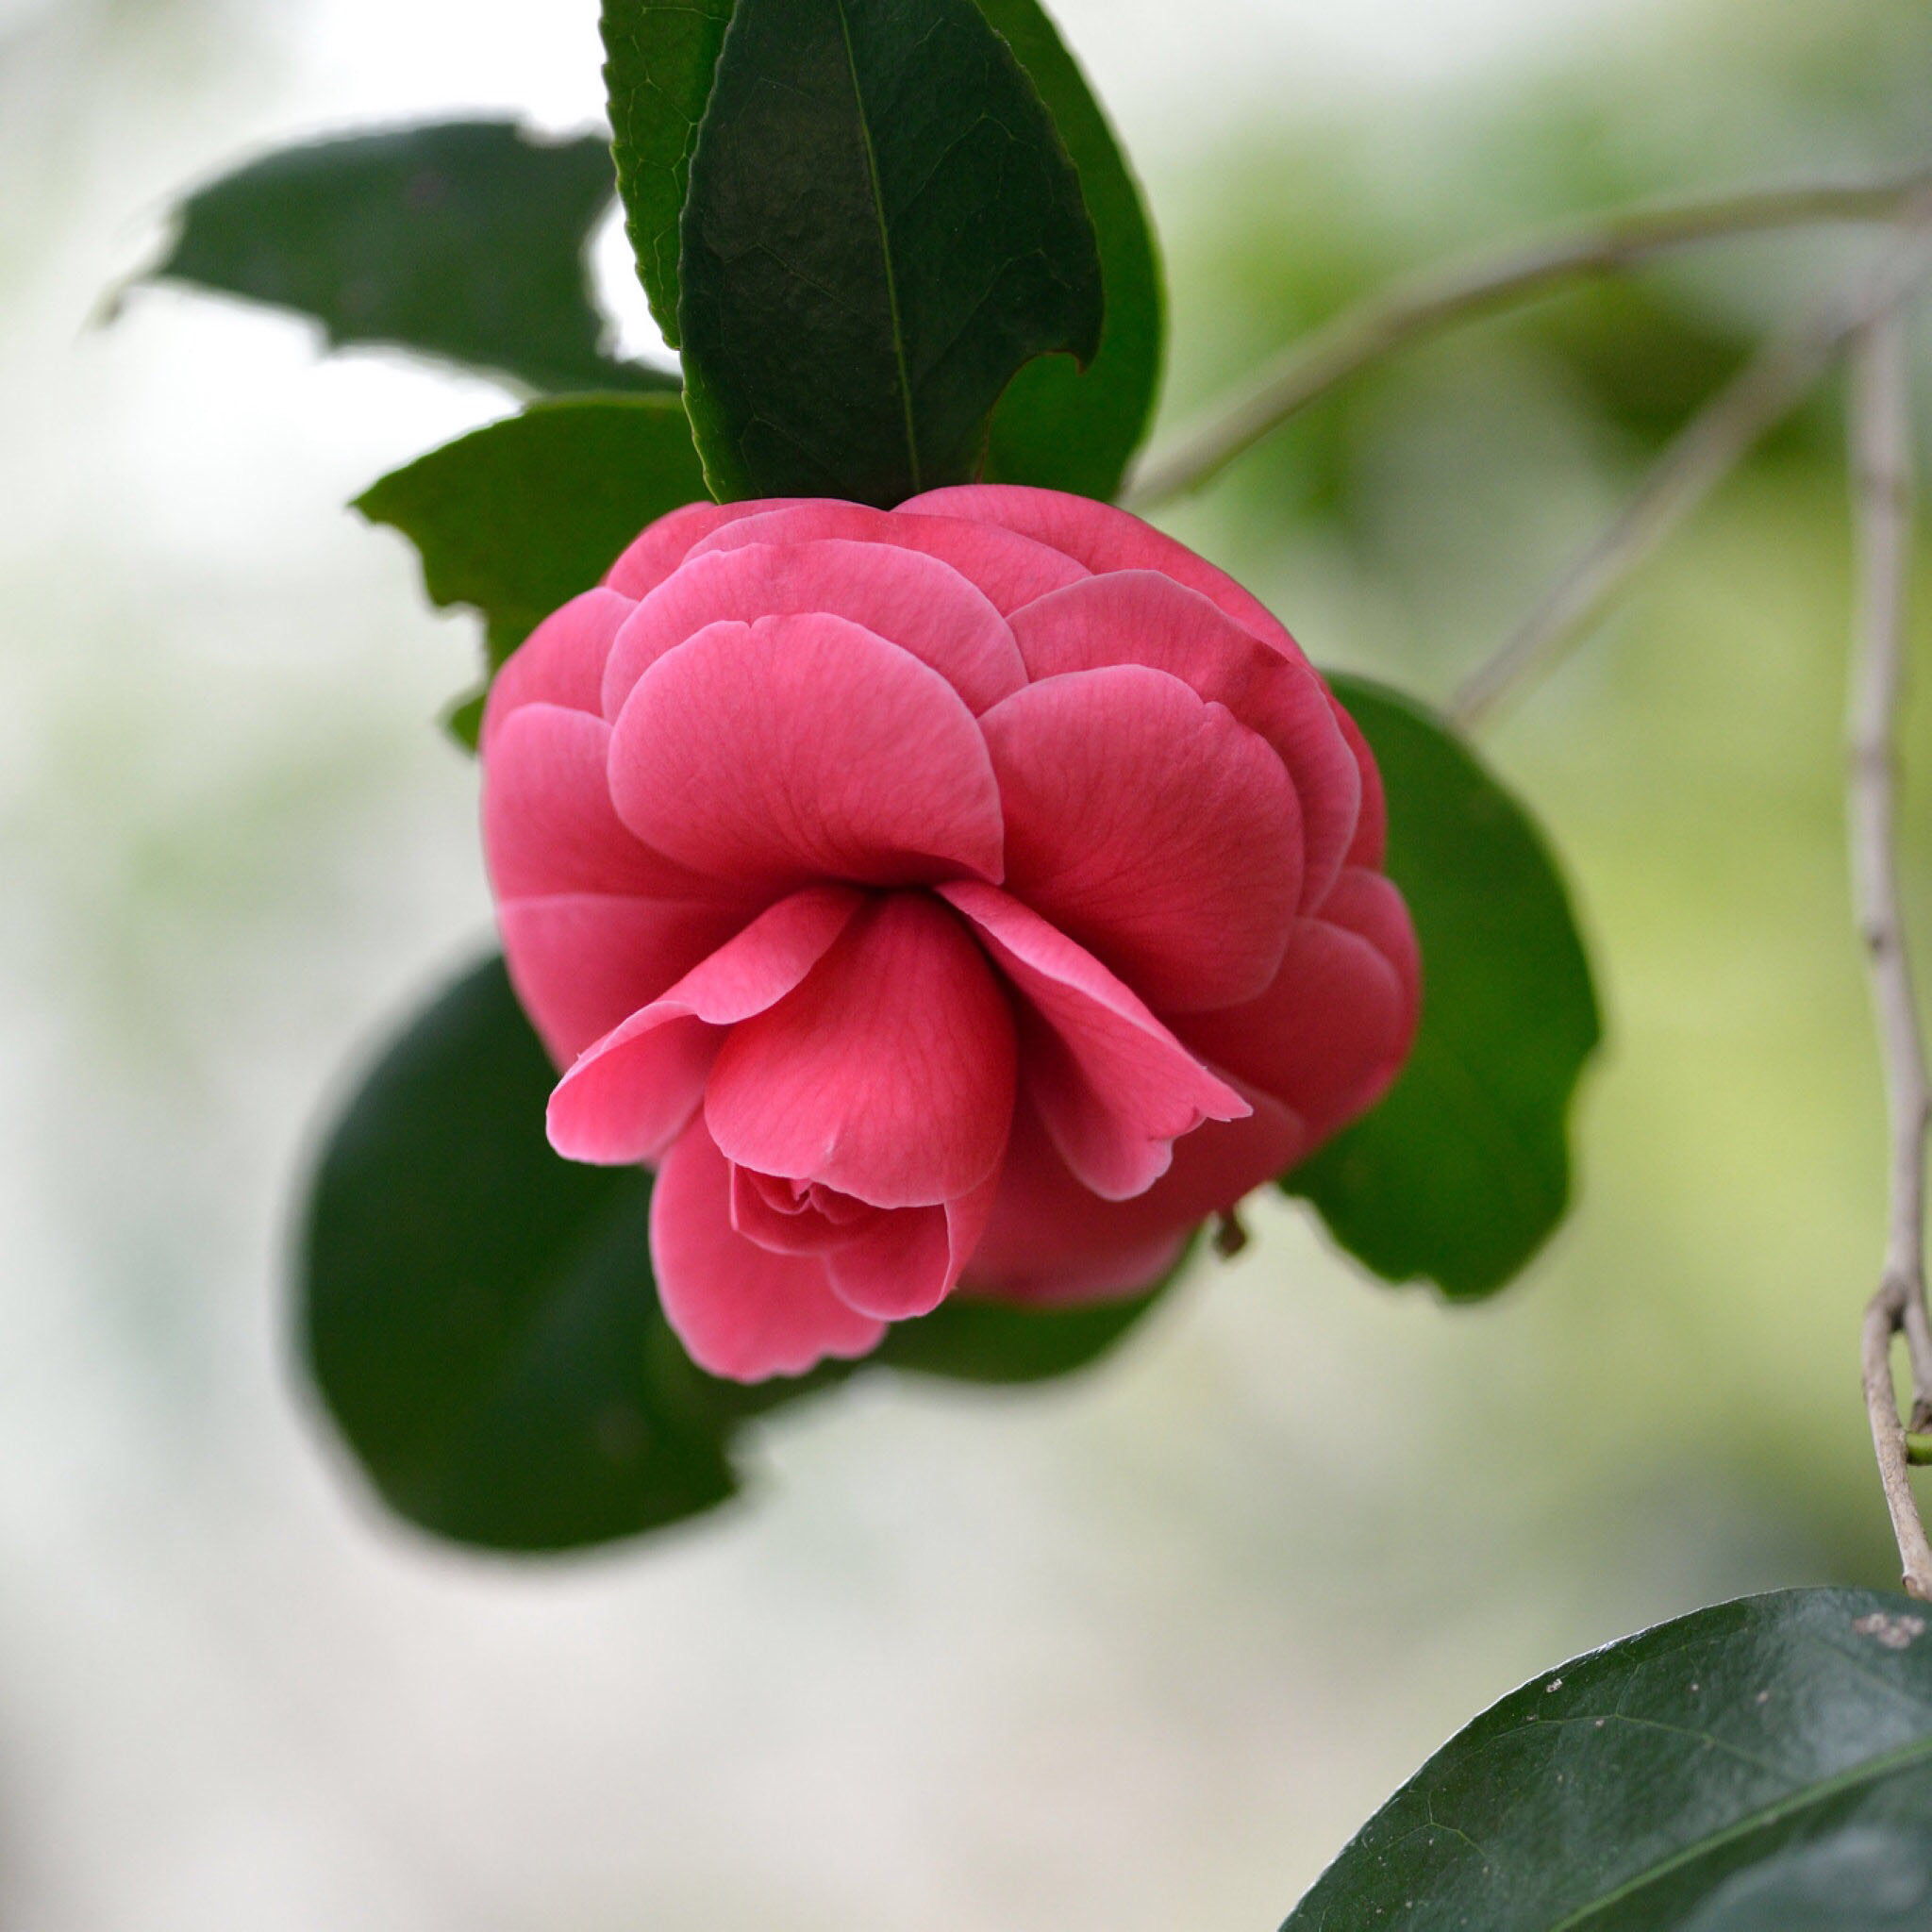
(582, 963)
(1050, 1241)
(1370, 841)
(650, 557)
(794, 1217)
(890, 1262)
(549, 826)
(906, 1260)
(1368, 903)
(1152, 827)
(887, 1075)
(594, 924)
(801, 748)
(1010, 569)
(1332, 1031)
(912, 600)
(1104, 539)
(629, 1094)
(743, 1312)
(1145, 617)
(560, 662)
(1113, 1087)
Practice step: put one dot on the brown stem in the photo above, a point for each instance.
(1350, 342)
(1881, 467)
(1704, 452)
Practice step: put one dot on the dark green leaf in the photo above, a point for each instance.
(482, 1320)
(659, 57)
(464, 240)
(1056, 425)
(480, 1314)
(518, 517)
(1463, 1171)
(1765, 1766)
(882, 227)
(970, 1340)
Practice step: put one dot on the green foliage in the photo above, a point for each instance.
(1460, 1173)
(517, 517)
(969, 1340)
(882, 227)
(478, 1314)
(659, 58)
(464, 240)
(481, 1318)
(1765, 1766)
(1058, 426)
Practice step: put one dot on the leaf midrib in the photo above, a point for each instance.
(1870, 1771)
(878, 209)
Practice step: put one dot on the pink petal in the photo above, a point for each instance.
(915, 601)
(1153, 828)
(1371, 838)
(906, 1260)
(663, 545)
(1370, 904)
(582, 963)
(801, 748)
(549, 826)
(1011, 569)
(594, 924)
(796, 1217)
(560, 662)
(1104, 539)
(888, 1074)
(742, 1311)
(1144, 617)
(1329, 1036)
(1113, 1086)
(1050, 1241)
(630, 1093)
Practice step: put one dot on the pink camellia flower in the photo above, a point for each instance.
(976, 894)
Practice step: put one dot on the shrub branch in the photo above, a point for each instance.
(1702, 453)
(1363, 334)
(1881, 469)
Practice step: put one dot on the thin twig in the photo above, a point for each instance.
(1702, 453)
(1350, 342)
(1881, 465)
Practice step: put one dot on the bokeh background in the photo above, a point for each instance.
(1134, 1654)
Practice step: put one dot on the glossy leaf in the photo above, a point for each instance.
(1765, 1766)
(481, 1318)
(1056, 426)
(1461, 1173)
(462, 241)
(659, 58)
(882, 227)
(478, 1313)
(517, 517)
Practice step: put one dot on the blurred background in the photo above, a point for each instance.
(1137, 1653)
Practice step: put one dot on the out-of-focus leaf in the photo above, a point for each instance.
(1461, 1173)
(881, 227)
(971, 1340)
(1056, 426)
(659, 57)
(1764, 1766)
(462, 241)
(517, 517)
(482, 1320)
(480, 1314)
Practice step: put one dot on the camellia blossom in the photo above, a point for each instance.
(973, 895)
